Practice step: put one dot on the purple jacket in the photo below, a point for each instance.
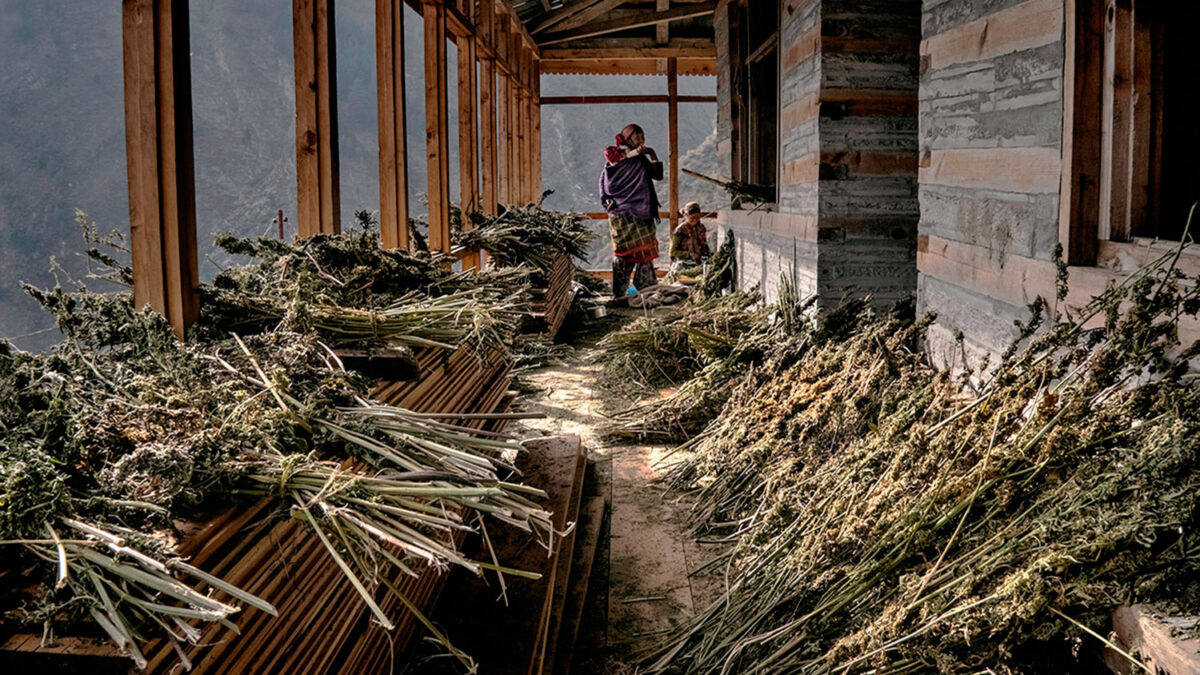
(627, 187)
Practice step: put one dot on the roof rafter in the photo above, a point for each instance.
(638, 20)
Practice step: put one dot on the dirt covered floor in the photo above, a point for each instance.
(645, 578)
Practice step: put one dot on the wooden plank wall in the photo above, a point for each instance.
(847, 213)
(867, 128)
(991, 110)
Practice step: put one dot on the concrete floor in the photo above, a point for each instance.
(640, 586)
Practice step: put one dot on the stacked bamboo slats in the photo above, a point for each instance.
(533, 631)
(323, 625)
(551, 302)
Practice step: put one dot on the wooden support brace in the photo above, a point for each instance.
(315, 46)
(158, 153)
(393, 151)
(436, 133)
(487, 136)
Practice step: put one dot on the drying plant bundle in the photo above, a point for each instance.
(741, 194)
(668, 348)
(528, 236)
(721, 274)
(883, 521)
(121, 432)
(351, 291)
(689, 409)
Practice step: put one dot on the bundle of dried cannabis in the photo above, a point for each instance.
(528, 236)
(883, 522)
(121, 431)
(669, 347)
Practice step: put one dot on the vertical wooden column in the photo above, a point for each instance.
(487, 112)
(468, 166)
(437, 149)
(522, 103)
(502, 138)
(487, 136)
(158, 154)
(537, 130)
(673, 139)
(468, 163)
(1116, 132)
(393, 151)
(1079, 201)
(315, 46)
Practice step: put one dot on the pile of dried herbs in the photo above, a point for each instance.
(884, 521)
(352, 292)
(121, 431)
(669, 347)
(528, 236)
(689, 409)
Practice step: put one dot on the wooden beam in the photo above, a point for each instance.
(437, 151)
(1079, 190)
(576, 14)
(627, 48)
(624, 98)
(673, 140)
(652, 66)
(643, 18)
(317, 189)
(487, 136)
(158, 154)
(393, 151)
(468, 170)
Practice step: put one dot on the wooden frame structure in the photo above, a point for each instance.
(1113, 130)
(158, 118)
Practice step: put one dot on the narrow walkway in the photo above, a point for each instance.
(640, 586)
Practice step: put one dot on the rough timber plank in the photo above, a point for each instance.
(507, 639)
(1028, 25)
(1160, 642)
(563, 569)
(587, 540)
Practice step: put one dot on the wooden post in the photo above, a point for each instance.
(522, 132)
(537, 131)
(1117, 130)
(468, 167)
(158, 155)
(436, 141)
(1079, 190)
(393, 151)
(315, 46)
(511, 117)
(487, 135)
(468, 164)
(673, 139)
(502, 111)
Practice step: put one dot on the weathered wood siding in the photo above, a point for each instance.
(848, 152)
(867, 191)
(991, 107)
